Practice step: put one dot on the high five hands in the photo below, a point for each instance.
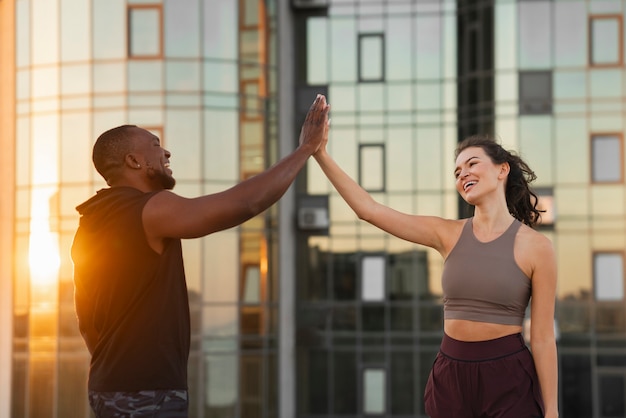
(314, 130)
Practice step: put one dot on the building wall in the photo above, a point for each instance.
(406, 80)
(201, 75)
(369, 319)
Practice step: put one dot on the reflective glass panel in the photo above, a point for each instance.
(219, 26)
(372, 278)
(108, 43)
(398, 48)
(343, 46)
(317, 50)
(608, 272)
(374, 391)
(535, 34)
(345, 382)
(371, 162)
(606, 158)
(75, 45)
(402, 380)
(45, 27)
(570, 32)
(182, 38)
(371, 57)
(605, 40)
(612, 395)
(221, 386)
(144, 31)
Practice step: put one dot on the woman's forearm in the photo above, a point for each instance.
(355, 196)
(545, 356)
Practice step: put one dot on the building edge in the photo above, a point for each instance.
(7, 203)
(286, 216)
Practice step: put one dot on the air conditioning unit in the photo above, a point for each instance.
(313, 218)
(310, 4)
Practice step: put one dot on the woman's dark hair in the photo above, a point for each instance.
(520, 199)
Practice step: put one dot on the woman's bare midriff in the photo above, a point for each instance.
(463, 330)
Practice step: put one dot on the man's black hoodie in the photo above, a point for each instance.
(131, 302)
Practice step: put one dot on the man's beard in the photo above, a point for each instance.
(165, 180)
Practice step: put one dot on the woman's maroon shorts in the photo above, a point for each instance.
(490, 379)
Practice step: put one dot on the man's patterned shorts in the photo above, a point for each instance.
(143, 404)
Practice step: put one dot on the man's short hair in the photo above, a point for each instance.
(110, 149)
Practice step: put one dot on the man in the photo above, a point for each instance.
(130, 291)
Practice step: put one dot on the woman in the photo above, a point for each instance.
(494, 263)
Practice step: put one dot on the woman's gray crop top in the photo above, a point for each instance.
(482, 282)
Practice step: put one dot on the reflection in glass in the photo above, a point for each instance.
(570, 18)
(429, 45)
(373, 278)
(611, 318)
(372, 167)
(535, 34)
(182, 76)
(373, 318)
(343, 56)
(606, 160)
(576, 386)
(608, 272)
(144, 28)
(313, 383)
(182, 38)
(374, 391)
(606, 40)
(317, 49)
(371, 57)
(344, 383)
(402, 382)
(398, 49)
(535, 92)
(605, 83)
(221, 384)
(569, 84)
(75, 46)
(401, 318)
(612, 390)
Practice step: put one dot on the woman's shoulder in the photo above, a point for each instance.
(532, 241)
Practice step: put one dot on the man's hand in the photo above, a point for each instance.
(315, 124)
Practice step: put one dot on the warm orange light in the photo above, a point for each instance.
(43, 250)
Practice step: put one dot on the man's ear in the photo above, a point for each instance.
(132, 161)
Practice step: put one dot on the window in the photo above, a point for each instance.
(251, 100)
(372, 167)
(605, 41)
(608, 275)
(373, 278)
(371, 57)
(145, 31)
(535, 92)
(606, 158)
(374, 384)
(612, 391)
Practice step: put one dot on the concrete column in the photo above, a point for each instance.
(287, 208)
(7, 202)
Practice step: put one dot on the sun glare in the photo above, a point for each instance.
(43, 250)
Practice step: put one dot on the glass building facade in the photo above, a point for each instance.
(305, 311)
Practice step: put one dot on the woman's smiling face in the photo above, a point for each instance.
(476, 174)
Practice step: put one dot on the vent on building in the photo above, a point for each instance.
(313, 218)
